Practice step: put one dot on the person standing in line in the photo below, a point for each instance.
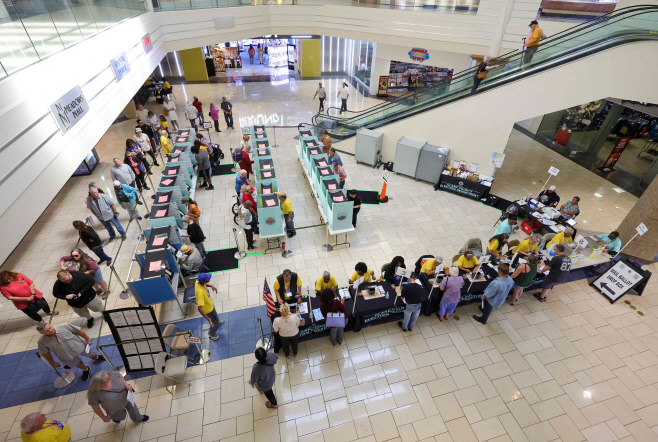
(122, 173)
(287, 326)
(203, 165)
(191, 113)
(481, 72)
(288, 214)
(245, 160)
(531, 44)
(263, 374)
(344, 95)
(169, 109)
(247, 196)
(241, 180)
(260, 54)
(199, 109)
(334, 157)
(523, 276)
(352, 196)
(559, 266)
(326, 142)
(145, 137)
(206, 305)
(321, 93)
(331, 303)
(227, 108)
(251, 53)
(138, 171)
(136, 152)
(64, 341)
(142, 114)
(109, 390)
(495, 294)
(127, 197)
(103, 207)
(165, 143)
(154, 124)
(20, 290)
(452, 289)
(214, 116)
(36, 427)
(81, 262)
(77, 290)
(247, 219)
(338, 170)
(91, 239)
(412, 295)
(195, 234)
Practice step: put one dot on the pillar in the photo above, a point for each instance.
(130, 110)
(311, 60)
(193, 64)
(501, 27)
(607, 126)
(645, 211)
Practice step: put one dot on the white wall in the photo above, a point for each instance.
(531, 124)
(474, 127)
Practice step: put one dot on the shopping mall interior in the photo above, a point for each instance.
(323, 221)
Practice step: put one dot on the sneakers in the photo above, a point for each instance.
(147, 188)
(210, 188)
(140, 203)
(479, 319)
(213, 337)
(291, 234)
(109, 262)
(86, 373)
(149, 172)
(90, 322)
(145, 418)
(400, 325)
(112, 238)
(100, 358)
(203, 185)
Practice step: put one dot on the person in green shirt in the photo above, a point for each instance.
(613, 242)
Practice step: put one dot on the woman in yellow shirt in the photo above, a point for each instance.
(165, 143)
(562, 237)
(527, 246)
(361, 269)
(466, 263)
(431, 265)
(496, 244)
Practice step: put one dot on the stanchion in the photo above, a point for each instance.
(148, 211)
(263, 342)
(327, 247)
(240, 254)
(286, 253)
(62, 380)
(274, 133)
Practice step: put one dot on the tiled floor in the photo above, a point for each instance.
(575, 368)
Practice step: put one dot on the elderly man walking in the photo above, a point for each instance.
(122, 173)
(103, 207)
(36, 427)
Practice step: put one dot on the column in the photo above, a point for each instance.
(607, 125)
(645, 211)
(311, 60)
(501, 27)
(130, 110)
(193, 64)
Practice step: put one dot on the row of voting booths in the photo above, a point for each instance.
(332, 200)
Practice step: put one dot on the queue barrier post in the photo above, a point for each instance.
(274, 133)
(62, 380)
(240, 254)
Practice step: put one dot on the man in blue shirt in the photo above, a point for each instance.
(508, 226)
(334, 157)
(613, 241)
(240, 180)
(495, 295)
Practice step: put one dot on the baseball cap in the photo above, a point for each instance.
(203, 277)
(534, 22)
(552, 188)
(117, 183)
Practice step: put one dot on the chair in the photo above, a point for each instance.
(472, 243)
(189, 298)
(383, 269)
(177, 343)
(544, 240)
(513, 243)
(454, 259)
(170, 368)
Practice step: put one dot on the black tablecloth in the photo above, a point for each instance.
(462, 187)
(524, 211)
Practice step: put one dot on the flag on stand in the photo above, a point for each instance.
(267, 296)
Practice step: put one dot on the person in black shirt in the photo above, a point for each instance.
(481, 73)
(227, 107)
(351, 196)
(195, 234)
(549, 197)
(559, 267)
(412, 294)
(76, 289)
(389, 273)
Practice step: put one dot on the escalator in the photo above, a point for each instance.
(627, 25)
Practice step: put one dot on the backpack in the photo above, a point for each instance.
(122, 197)
(237, 155)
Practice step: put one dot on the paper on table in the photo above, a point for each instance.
(339, 198)
(154, 266)
(262, 152)
(317, 313)
(267, 174)
(269, 203)
(260, 136)
(331, 186)
(473, 168)
(130, 349)
(261, 144)
(303, 308)
(344, 293)
(322, 163)
(171, 172)
(554, 229)
(160, 213)
(118, 319)
(158, 241)
(266, 166)
(174, 160)
(167, 182)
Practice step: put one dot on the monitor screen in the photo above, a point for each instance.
(572, 222)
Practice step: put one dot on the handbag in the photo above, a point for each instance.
(165, 111)
(482, 75)
(335, 319)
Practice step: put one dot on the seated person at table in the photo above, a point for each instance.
(287, 288)
(433, 266)
(549, 197)
(412, 294)
(361, 269)
(508, 226)
(570, 209)
(326, 282)
(330, 303)
(562, 237)
(389, 273)
(613, 242)
(191, 261)
(166, 87)
(466, 263)
(496, 244)
(452, 290)
(527, 246)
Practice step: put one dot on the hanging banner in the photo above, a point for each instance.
(68, 109)
(615, 154)
(382, 91)
(120, 66)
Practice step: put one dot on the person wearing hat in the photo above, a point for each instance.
(227, 108)
(191, 261)
(146, 138)
(549, 197)
(190, 114)
(205, 303)
(127, 197)
(199, 109)
(613, 243)
(531, 44)
(412, 294)
(287, 288)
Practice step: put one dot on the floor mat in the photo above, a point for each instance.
(220, 261)
(368, 196)
(223, 169)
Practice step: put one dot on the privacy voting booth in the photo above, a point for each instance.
(306, 143)
(265, 175)
(179, 173)
(270, 216)
(184, 161)
(188, 131)
(262, 153)
(266, 188)
(264, 164)
(320, 168)
(167, 215)
(260, 143)
(171, 196)
(167, 184)
(311, 154)
(339, 210)
(184, 151)
(258, 130)
(328, 184)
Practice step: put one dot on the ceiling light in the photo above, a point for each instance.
(618, 190)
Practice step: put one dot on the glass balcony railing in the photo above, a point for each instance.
(33, 30)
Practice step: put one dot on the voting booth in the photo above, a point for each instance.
(179, 175)
(339, 210)
(329, 184)
(265, 175)
(181, 157)
(173, 169)
(173, 196)
(167, 215)
(168, 183)
(270, 217)
(267, 187)
(259, 143)
(262, 153)
(188, 131)
(321, 173)
(305, 143)
(264, 164)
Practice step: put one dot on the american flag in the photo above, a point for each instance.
(267, 296)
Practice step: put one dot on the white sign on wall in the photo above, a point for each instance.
(120, 66)
(70, 108)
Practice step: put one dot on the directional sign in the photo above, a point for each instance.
(617, 281)
(641, 229)
(207, 125)
(553, 171)
(193, 340)
(581, 241)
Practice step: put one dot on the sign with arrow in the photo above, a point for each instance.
(619, 280)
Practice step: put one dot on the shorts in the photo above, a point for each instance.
(76, 360)
(95, 305)
(98, 276)
(550, 283)
(205, 173)
(518, 287)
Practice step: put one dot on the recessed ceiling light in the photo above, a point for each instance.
(618, 190)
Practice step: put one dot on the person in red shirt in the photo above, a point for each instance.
(248, 195)
(19, 289)
(246, 162)
(196, 103)
(330, 303)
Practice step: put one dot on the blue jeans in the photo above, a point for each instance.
(486, 311)
(290, 225)
(199, 115)
(110, 230)
(229, 120)
(411, 314)
(215, 320)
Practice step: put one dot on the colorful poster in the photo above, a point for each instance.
(615, 154)
(383, 86)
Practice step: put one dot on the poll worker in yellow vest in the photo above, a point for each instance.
(36, 427)
(562, 237)
(435, 265)
(287, 288)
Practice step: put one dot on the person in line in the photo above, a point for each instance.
(251, 53)
(260, 54)
(288, 214)
(613, 243)
(263, 373)
(389, 273)
(247, 196)
(247, 218)
(103, 207)
(122, 173)
(36, 427)
(204, 141)
(154, 124)
(195, 234)
(241, 179)
(141, 112)
(356, 208)
(127, 197)
(334, 157)
(190, 262)
(330, 302)
(137, 153)
(203, 165)
(361, 270)
(190, 115)
(245, 160)
(77, 290)
(560, 238)
(91, 239)
(138, 171)
(549, 197)
(466, 263)
(321, 93)
(326, 141)
(144, 140)
(481, 72)
(509, 226)
(412, 294)
(287, 288)
(206, 305)
(433, 266)
(20, 290)
(192, 208)
(199, 109)
(214, 116)
(559, 266)
(531, 44)
(527, 247)
(108, 392)
(338, 170)
(452, 289)
(81, 262)
(287, 326)
(169, 109)
(165, 143)
(227, 108)
(344, 95)
(325, 282)
(570, 209)
(495, 294)
(162, 120)
(496, 243)
(523, 277)
(64, 340)
(245, 141)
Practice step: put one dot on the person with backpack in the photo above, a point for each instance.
(127, 197)
(263, 373)
(330, 303)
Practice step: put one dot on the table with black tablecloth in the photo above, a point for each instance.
(525, 212)
(463, 187)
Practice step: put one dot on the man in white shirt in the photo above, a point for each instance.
(344, 94)
(143, 140)
(142, 114)
(191, 115)
(321, 93)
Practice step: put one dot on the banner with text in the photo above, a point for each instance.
(68, 109)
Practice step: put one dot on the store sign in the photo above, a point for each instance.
(617, 281)
(120, 66)
(615, 154)
(147, 43)
(68, 109)
(419, 54)
(193, 339)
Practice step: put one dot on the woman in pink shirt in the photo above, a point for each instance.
(214, 114)
(338, 170)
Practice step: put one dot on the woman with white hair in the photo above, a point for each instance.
(481, 73)
(108, 392)
(36, 427)
(452, 289)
